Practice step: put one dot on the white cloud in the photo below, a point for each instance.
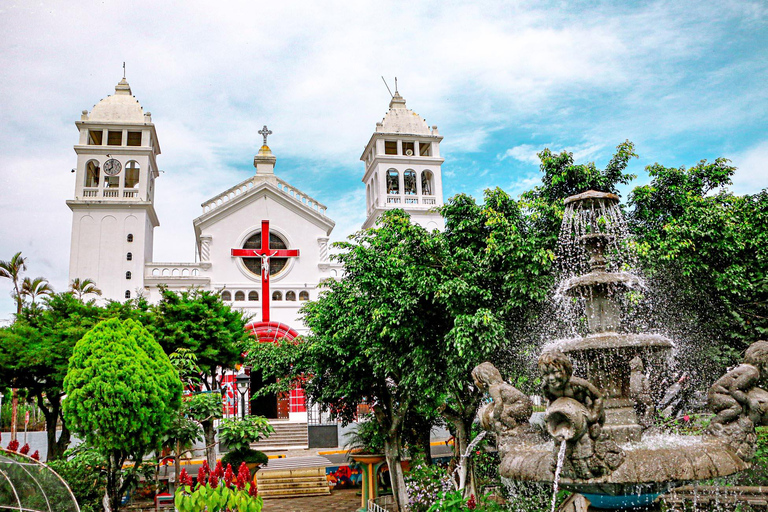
(752, 173)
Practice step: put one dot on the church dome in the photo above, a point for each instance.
(121, 107)
(401, 120)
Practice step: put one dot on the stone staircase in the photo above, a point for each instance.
(287, 436)
(293, 477)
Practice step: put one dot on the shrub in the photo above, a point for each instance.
(238, 434)
(84, 471)
(249, 456)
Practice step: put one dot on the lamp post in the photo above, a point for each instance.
(243, 383)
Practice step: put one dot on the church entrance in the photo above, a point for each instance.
(270, 406)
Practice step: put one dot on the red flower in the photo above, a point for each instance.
(213, 481)
(243, 476)
(13, 445)
(206, 468)
(36, 455)
(24, 449)
(201, 475)
(229, 475)
(218, 471)
(686, 418)
(184, 477)
(253, 491)
(472, 504)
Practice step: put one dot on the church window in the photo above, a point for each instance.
(426, 183)
(277, 296)
(127, 294)
(129, 256)
(253, 296)
(114, 137)
(390, 147)
(290, 295)
(92, 173)
(409, 182)
(134, 139)
(128, 275)
(240, 295)
(226, 296)
(276, 265)
(425, 149)
(95, 137)
(130, 237)
(131, 174)
(393, 182)
(304, 295)
(408, 148)
(112, 181)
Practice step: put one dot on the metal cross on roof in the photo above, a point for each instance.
(264, 132)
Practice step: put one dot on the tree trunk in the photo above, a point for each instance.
(177, 466)
(14, 411)
(392, 452)
(113, 484)
(210, 442)
(425, 438)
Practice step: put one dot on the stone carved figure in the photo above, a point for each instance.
(510, 408)
(576, 415)
(740, 403)
(641, 393)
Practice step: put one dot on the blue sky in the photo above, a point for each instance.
(502, 80)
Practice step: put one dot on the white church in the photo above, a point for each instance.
(262, 243)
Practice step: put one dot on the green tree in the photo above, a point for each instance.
(198, 321)
(122, 395)
(83, 287)
(12, 270)
(34, 288)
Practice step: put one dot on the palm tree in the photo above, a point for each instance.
(82, 287)
(36, 287)
(12, 270)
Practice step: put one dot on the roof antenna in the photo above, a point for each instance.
(395, 85)
(123, 70)
(388, 89)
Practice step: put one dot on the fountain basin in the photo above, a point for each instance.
(652, 466)
(606, 341)
(585, 284)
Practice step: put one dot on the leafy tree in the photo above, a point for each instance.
(12, 270)
(122, 394)
(34, 288)
(706, 251)
(199, 322)
(35, 352)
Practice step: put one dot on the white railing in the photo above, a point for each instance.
(301, 197)
(90, 192)
(428, 200)
(245, 186)
(393, 199)
(171, 270)
(130, 193)
(381, 504)
(111, 192)
(411, 200)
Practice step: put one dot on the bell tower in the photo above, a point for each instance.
(403, 167)
(113, 212)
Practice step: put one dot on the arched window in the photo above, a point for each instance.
(290, 295)
(276, 265)
(129, 237)
(409, 182)
(304, 295)
(277, 296)
(225, 295)
(240, 295)
(393, 181)
(426, 183)
(129, 256)
(92, 173)
(127, 294)
(131, 174)
(128, 275)
(253, 296)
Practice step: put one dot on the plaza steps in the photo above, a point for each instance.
(293, 477)
(287, 436)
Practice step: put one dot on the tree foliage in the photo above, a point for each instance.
(122, 394)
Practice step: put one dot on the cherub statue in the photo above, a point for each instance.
(640, 392)
(732, 400)
(586, 456)
(510, 407)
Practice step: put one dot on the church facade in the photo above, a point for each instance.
(263, 244)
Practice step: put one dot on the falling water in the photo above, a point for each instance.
(556, 484)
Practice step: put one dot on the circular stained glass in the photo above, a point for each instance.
(276, 265)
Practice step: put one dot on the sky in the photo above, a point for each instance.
(683, 80)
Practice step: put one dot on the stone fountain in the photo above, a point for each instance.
(599, 390)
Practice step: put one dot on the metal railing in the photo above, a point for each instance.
(381, 504)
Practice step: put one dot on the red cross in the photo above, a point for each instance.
(265, 253)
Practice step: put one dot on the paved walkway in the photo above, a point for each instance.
(342, 500)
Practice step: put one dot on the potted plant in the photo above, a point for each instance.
(238, 434)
